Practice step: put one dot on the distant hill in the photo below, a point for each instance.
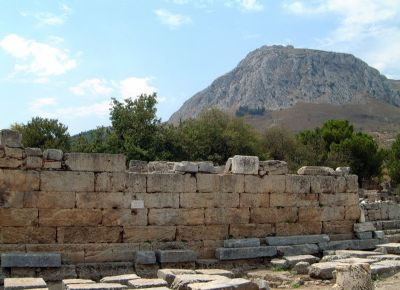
(301, 88)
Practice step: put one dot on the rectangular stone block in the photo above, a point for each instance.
(337, 227)
(53, 200)
(110, 181)
(352, 183)
(251, 230)
(273, 215)
(172, 216)
(364, 227)
(97, 286)
(231, 183)
(124, 217)
(50, 164)
(157, 182)
(11, 163)
(332, 213)
(175, 256)
(265, 184)
(299, 228)
(364, 235)
(339, 199)
(349, 245)
(19, 180)
(298, 184)
(220, 216)
(197, 233)
(149, 233)
(245, 164)
(17, 153)
(162, 200)
(310, 214)
(70, 253)
(291, 199)
(70, 217)
(105, 200)
(28, 235)
(10, 138)
(253, 200)
(145, 257)
(323, 184)
(97, 162)
(30, 260)
(67, 181)
(136, 182)
(78, 235)
(209, 200)
(24, 283)
(294, 250)
(296, 240)
(11, 199)
(18, 217)
(207, 182)
(352, 212)
(242, 243)
(245, 253)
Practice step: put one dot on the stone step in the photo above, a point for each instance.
(176, 256)
(24, 283)
(391, 248)
(350, 245)
(296, 240)
(392, 232)
(387, 225)
(242, 243)
(392, 238)
(245, 253)
(295, 250)
(30, 260)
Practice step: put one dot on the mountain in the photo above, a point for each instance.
(274, 83)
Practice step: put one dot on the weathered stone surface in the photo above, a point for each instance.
(149, 233)
(364, 235)
(110, 181)
(245, 164)
(138, 166)
(218, 216)
(293, 260)
(157, 182)
(11, 199)
(339, 199)
(343, 170)
(175, 256)
(352, 183)
(296, 240)
(261, 283)
(145, 257)
(53, 154)
(50, 164)
(273, 215)
(121, 279)
(238, 283)
(11, 163)
(250, 230)
(350, 244)
(106, 200)
(306, 200)
(52, 200)
(136, 182)
(95, 162)
(147, 283)
(33, 152)
(220, 272)
(170, 274)
(265, 184)
(209, 200)
(33, 162)
(364, 227)
(298, 184)
(28, 235)
(197, 233)
(356, 276)
(357, 254)
(253, 200)
(304, 228)
(323, 270)
(231, 183)
(352, 212)
(98, 270)
(18, 217)
(208, 182)
(206, 166)
(161, 166)
(186, 166)
(337, 227)
(66, 282)
(325, 184)
(75, 235)
(70, 217)
(124, 217)
(39, 260)
(274, 167)
(18, 180)
(181, 282)
(295, 250)
(10, 138)
(280, 263)
(57, 274)
(301, 267)
(391, 248)
(17, 153)
(67, 181)
(228, 165)
(96, 286)
(245, 253)
(379, 235)
(172, 216)
(24, 283)
(242, 243)
(315, 170)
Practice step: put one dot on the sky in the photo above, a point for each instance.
(67, 59)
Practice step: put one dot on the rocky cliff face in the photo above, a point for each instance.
(272, 78)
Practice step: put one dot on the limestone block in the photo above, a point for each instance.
(299, 228)
(172, 216)
(33, 152)
(364, 227)
(66, 282)
(182, 282)
(242, 243)
(103, 200)
(349, 244)
(28, 235)
(98, 162)
(343, 170)
(218, 216)
(323, 270)
(70, 253)
(274, 167)
(75, 235)
(18, 217)
(339, 199)
(24, 283)
(354, 276)
(98, 270)
(161, 166)
(11, 199)
(296, 240)
(254, 200)
(157, 182)
(53, 154)
(291, 199)
(206, 166)
(245, 253)
(145, 257)
(364, 235)
(379, 235)
(207, 182)
(220, 272)
(295, 250)
(238, 283)
(96, 286)
(273, 215)
(394, 211)
(45, 199)
(122, 279)
(138, 166)
(52, 164)
(70, 217)
(332, 213)
(18, 180)
(11, 163)
(147, 283)
(17, 153)
(298, 184)
(265, 184)
(337, 227)
(175, 256)
(302, 268)
(67, 181)
(315, 170)
(325, 184)
(30, 260)
(352, 183)
(124, 217)
(340, 184)
(209, 200)
(245, 164)
(109, 252)
(161, 200)
(136, 182)
(197, 233)
(10, 138)
(228, 165)
(310, 214)
(110, 181)
(231, 183)
(251, 230)
(33, 162)
(391, 248)
(149, 233)
(352, 212)
(169, 275)
(186, 166)
(293, 260)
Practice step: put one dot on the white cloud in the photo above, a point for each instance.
(132, 87)
(246, 5)
(48, 18)
(174, 21)
(36, 58)
(92, 87)
(368, 28)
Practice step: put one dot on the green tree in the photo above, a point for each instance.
(394, 162)
(44, 133)
(95, 141)
(336, 131)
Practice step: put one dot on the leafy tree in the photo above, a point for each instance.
(95, 141)
(336, 131)
(44, 133)
(394, 162)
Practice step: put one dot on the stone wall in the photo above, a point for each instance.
(91, 208)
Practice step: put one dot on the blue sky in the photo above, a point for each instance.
(66, 59)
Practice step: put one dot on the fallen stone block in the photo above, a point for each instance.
(66, 282)
(391, 248)
(301, 268)
(356, 261)
(379, 235)
(343, 170)
(219, 272)
(238, 284)
(96, 286)
(364, 227)
(295, 250)
(349, 245)
(315, 170)
(293, 260)
(274, 167)
(245, 253)
(160, 166)
(280, 263)
(175, 256)
(98, 162)
(364, 235)
(356, 276)
(23, 283)
(261, 283)
(245, 164)
(30, 260)
(296, 240)
(186, 166)
(356, 254)
(170, 274)
(181, 282)
(145, 257)
(323, 271)
(228, 165)
(206, 166)
(10, 138)
(120, 279)
(385, 268)
(242, 243)
(147, 283)
(53, 154)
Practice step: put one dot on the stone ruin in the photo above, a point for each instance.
(79, 215)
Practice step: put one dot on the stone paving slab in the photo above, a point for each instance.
(391, 248)
(170, 274)
(181, 282)
(238, 284)
(176, 256)
(67, 282)
(357, 254)
(293, 260)
(245, 253)
(120, 279)
(350, 245)
(295, 250)
(23, 283)
(296, 240)
(219, 272)
(147, 283)
(356, 261)
(385, 268)
(30, 260)
(96, 286)
(323, 271)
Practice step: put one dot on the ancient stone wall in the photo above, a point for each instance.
(91, 208)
